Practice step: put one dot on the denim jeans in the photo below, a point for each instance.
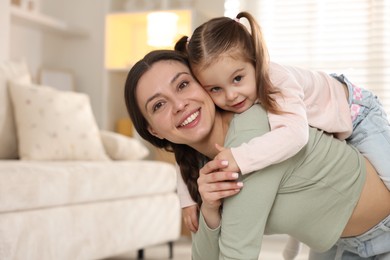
(374, 244)
(371, 130)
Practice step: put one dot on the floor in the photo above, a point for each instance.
(271, 250)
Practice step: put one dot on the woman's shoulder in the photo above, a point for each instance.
(248, 124)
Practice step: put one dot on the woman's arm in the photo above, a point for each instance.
(213, 187)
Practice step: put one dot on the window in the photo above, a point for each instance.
(351, 37)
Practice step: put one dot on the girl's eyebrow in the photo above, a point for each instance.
(159, 94)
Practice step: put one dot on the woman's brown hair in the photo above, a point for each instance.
(224, 35)
(188, 159)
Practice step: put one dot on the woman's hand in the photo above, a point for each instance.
(214, 185)
(190, 217)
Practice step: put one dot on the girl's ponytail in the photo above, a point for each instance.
(181, 45)
(264, 85)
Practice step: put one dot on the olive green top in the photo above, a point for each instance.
(310, 196)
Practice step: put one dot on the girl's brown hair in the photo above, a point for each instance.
(224, 35)
(188, 159)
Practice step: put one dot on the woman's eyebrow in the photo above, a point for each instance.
(150, 99)
(178, 75)
(171, 82)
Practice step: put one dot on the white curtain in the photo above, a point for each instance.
(351, 37)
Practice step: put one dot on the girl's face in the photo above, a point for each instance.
(230, 82)
(174, 104)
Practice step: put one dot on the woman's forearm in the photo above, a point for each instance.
(212, 216)
(205, 241)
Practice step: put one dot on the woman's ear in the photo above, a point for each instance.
(154, 133)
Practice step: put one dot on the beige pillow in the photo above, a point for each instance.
(121, 147)
(10, 71)
(55, 125)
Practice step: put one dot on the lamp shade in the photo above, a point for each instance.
(161, 28)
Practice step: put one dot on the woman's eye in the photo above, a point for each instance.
(157, 106)
(237, 79)
(183, 84)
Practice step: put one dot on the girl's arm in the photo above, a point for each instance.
(182, 191)
(308, 98)
(188, 205)
(289, 132)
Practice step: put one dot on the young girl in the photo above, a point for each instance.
(232, 64)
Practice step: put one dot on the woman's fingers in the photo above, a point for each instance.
(213, 166)
(218, 185)
(218, 195)
(214, 184)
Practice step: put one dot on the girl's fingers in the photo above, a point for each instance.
(190, 225)
(219, 148)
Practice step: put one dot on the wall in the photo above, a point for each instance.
(84, 56)
(47, 48)
(4, 30)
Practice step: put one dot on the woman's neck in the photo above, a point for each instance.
(217, 134)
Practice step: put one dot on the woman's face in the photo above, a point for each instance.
(176, 107)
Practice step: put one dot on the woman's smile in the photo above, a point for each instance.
(191, 120)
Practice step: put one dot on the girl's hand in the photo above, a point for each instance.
(226, 154)
(190, 217)
(214, 185)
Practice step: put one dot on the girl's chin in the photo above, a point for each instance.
(240, 110)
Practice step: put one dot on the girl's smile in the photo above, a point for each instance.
(230, 82)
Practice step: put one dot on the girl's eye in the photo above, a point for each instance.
(215, 89)
(237, 79)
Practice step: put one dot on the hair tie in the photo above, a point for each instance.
(188, 39)
(237, 19)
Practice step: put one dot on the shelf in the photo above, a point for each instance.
(44, 22)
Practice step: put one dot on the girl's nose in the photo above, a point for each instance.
(231, 95)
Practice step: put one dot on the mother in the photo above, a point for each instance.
(326, 191)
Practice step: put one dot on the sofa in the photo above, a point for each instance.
(69, 190)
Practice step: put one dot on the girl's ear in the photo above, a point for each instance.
(154, 133)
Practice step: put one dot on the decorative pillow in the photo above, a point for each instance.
(10, 71)
(121, 147)
(55, 125)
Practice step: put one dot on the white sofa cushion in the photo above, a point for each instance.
(31, 184)
(55, 125)
(10, 71)
(121, 147)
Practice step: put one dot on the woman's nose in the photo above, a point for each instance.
(179, 104)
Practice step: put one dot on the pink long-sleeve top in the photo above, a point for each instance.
(307, 98)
